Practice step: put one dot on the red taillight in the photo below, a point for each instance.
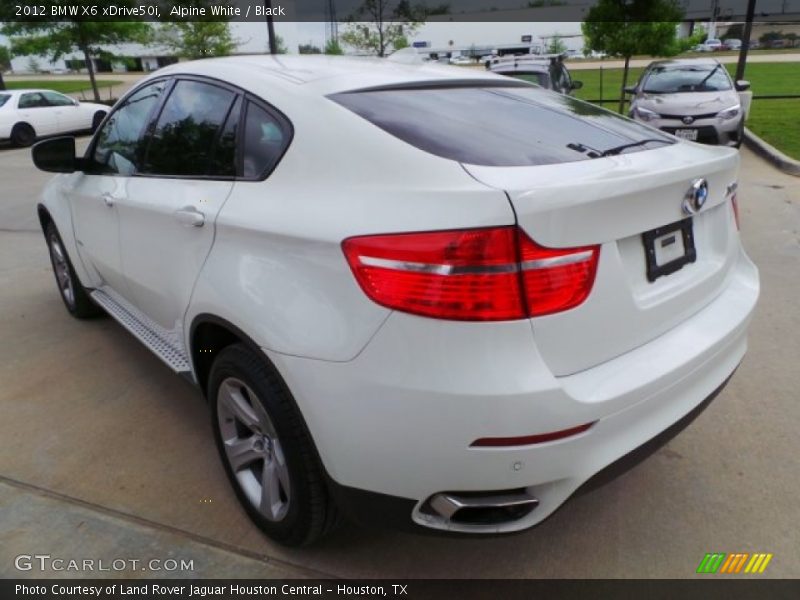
(556, 279)
(470, 275)
(735, 205)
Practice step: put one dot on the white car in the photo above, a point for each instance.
(710, 45)
(462, 60)
(26, 115)
(398, 306)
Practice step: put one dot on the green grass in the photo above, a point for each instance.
(767, 79)
(65, 86)
(774, 120)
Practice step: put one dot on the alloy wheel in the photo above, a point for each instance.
(62, 272)
(253, 449)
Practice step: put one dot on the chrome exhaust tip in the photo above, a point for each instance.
(481, 508)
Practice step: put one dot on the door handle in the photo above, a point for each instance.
(109, 199)
(190, 216)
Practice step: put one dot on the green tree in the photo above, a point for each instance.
(5, 64)
(735, 32)
(629, 27)
(556, 46)
(333, 47)
(57, 38)
(197, 39)
(381, 25)
(280, 46)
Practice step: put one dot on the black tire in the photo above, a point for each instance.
(97, 119)
(23, 135)
(309, 510)
(740, 141)
(72, 292)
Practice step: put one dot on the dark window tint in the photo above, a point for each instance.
(4, 98)
(33, 100)
(56, 99)
(119, 147)
(187, 128)
(497, 126)
(264, 141)
(223, 156)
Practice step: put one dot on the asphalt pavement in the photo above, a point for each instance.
(105, 453)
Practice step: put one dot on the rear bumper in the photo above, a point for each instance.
(399, 420)
(371, 509)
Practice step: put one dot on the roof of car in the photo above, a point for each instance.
(325, 74)
(676, 62)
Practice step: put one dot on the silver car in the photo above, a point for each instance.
(694, 99)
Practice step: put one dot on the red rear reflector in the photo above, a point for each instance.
(735, 205)
(471, 274)
(531, 439)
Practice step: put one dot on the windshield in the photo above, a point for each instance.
(686, 78)
(520, 125)
(4, 98)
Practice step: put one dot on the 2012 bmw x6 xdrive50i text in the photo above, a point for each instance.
(400, 305)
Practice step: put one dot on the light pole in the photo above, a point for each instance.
(273, 43)
(748, 29)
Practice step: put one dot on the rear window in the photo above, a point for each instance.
(498, 126)
(4, 98)
(541, 79)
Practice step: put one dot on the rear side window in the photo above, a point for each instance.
(265, 139)
(4, 98)
(32, 100)
(497, 126)
(187, 129)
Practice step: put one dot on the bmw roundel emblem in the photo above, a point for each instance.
(696, 197)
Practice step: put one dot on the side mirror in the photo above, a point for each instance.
(576, 85)
(631, 89)
(56, 155)
(76, 102)
(742, 85)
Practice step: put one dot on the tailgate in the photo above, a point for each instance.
(612, 202)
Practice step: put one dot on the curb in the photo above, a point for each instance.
(785, 163)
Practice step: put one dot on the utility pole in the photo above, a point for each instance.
(748, 29)
(273, 43)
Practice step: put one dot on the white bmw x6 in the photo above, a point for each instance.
(413, 294)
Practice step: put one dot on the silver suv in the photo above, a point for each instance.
(694, 99)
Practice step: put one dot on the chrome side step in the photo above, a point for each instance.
(161, 342)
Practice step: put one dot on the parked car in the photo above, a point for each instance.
(26, 115)
(462, 60)
(694, 99)
(547, 71)
(507, 302)
(711, 45)
(732, 44)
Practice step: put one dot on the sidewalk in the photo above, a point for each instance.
(39, 522)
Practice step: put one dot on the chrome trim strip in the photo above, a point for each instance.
(434, 269)
(557, 261)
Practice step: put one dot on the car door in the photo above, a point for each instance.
(167, 216)
(34, 109)
(68, 114)
(93, 194)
